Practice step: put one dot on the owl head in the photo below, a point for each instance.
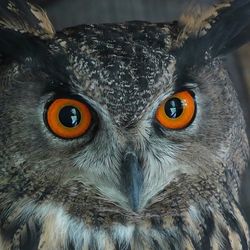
(121, 136)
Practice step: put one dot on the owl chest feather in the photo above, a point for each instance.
(194, 228)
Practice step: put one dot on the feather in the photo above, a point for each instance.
(25, 36)
(23, 17)
(198, 19)
(212, 31)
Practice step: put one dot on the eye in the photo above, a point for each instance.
(68, 118)
(176, 112)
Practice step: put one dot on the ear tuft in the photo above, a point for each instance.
(198, 19)
(44, 22)
(212, 31)
(26, 18)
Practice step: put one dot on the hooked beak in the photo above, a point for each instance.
(132, 179)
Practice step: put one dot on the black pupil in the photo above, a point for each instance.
(173, 108)
(69, 116)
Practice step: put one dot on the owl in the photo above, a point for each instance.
(125, 136)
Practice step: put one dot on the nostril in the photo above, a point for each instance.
(132, 179)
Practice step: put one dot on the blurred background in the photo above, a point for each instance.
(65, 13)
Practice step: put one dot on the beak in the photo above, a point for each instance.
(132, 179)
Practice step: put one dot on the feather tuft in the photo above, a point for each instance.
(25, 18)
(212, 31)
(198, 19)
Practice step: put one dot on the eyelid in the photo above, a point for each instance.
(186, 86)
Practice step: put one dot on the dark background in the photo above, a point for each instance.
(65, 13)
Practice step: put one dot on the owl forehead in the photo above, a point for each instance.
(124, 67)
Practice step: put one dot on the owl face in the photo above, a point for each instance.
(119, 136)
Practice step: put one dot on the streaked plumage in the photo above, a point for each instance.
(128, 183)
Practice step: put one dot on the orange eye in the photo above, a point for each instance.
(176, 112)
(68, 118)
